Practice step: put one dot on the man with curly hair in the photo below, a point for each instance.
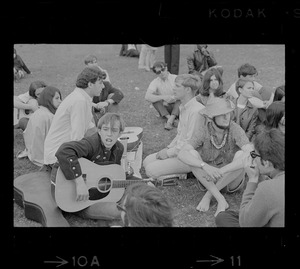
(74, 115)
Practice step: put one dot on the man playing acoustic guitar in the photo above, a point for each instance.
(102, 148)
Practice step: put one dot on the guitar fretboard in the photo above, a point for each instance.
(124, 183)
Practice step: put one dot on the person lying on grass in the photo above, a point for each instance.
(262, 202)
(216, 151)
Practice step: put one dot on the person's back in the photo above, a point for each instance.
(61, 127)
(74, 115)
(39, 124)
(263, 200)
(269, 198)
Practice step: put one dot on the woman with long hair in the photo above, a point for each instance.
(212, 85)
(39, 124)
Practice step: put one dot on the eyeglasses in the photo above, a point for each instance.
(121, 208)
(253, 155)
(159, 71)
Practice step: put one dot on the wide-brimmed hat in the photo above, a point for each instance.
(217, 106)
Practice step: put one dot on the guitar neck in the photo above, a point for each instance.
(124, 183)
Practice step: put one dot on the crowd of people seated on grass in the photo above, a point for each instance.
(228, 140)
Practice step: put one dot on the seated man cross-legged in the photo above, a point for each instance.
(165, 162)
(216, 151)
(160, 94)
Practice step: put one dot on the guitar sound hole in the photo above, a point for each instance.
(104, 184)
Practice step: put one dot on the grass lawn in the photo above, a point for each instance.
(59, 65)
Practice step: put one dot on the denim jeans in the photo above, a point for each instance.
(171, 109)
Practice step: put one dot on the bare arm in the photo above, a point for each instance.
(185, 156)
(153, 98)
(32, 104)
(239, 162)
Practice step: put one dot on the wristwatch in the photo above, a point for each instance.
(202, 164)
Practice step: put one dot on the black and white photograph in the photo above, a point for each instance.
(154, 131)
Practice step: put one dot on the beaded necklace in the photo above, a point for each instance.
(215, 144)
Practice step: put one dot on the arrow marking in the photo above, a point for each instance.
(214, 262)
(61, 262)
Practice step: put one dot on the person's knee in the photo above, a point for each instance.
(151, 171)
(23, 123)
(238, 154)
(195, 153)
(150, 168)
(149, 159)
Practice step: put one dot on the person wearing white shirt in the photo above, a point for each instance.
(160, 94)
(39, 124)
(74, 115)
(248, 71)
(147, 57)
(165, 162)
(25, 104)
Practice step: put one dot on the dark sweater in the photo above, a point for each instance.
(91, 148)
(20, 65)
(108, 89)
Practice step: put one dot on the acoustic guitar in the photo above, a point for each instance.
(105, 183)
(21, 113)
(33, 193)
(134, 135)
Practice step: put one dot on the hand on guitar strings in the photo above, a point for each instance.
(81, 190)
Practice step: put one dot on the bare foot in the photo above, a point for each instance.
(222, 206)
(204, 204)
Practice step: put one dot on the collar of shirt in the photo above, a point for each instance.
(249, 105)
(104, 149)
(45, 109)
(164, 80)
(187, 105)
(84, 94)
(280, 174)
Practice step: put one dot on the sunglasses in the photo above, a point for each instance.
(121, 208)
(253, 155)
(159, 71)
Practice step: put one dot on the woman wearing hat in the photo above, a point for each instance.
(216, 151)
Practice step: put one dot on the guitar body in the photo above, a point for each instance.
(33, 192)
(19, 114)
(99, 180)
(135, 135)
